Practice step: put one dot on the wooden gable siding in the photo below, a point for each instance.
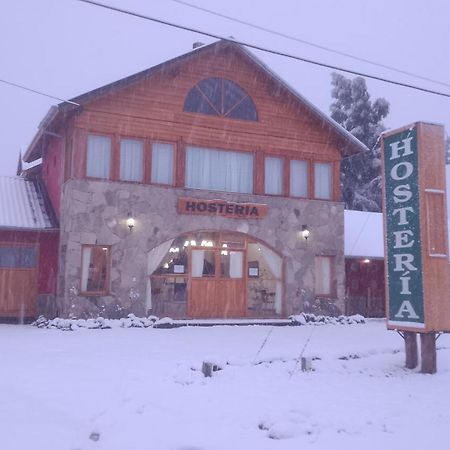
(152, 109)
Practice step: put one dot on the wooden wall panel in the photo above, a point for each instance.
(18, 290)
(436, 283)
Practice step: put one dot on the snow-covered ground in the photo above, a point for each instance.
(143, 389)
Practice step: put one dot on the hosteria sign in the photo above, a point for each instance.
(221, 208)
(404, 258)
(416, 241)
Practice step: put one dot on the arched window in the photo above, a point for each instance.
(219, 97)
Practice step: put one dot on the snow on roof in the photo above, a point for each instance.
(363, 234)
(23, 205)
(364, 230)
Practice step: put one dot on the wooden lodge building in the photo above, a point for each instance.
(204, 187)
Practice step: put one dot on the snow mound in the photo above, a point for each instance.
(131, 321)
(99, 323)
(312, 319)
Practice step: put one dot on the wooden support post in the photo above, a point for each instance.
(428, 352)
(207, 369)
(306, 363)
(411, 351)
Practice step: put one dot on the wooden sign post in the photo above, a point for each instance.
(416, 241)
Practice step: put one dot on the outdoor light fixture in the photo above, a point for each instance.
(130, 222)
(366, 261)
(305, 232)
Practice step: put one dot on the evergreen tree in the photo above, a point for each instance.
(353, 109)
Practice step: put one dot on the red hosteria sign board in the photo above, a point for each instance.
(221, 208)
(415, 228)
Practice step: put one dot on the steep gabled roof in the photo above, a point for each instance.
(24, 205)
(57, 113)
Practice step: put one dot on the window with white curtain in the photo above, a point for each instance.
(322, 181)
(131, 160)
(95, 263)
(273, 175)
(299, 179)
(98, 159)
(219, 170)
(162, 163)
(323, 275)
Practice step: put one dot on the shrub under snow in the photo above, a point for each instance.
(131, 321)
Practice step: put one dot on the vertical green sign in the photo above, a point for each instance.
(404, 258)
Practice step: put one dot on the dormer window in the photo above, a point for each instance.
(220, 97)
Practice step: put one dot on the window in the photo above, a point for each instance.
(98, 161)
(131, 160)
(273, 176)
(322, 181)
(264, 286)
(18, 257)
(162, 163)
(324, 275)
(219, 97)
(203, 263)
(231, 264)
(219, 170)
(299, 179)
(95, 262)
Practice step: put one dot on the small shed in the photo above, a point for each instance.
(28, 248)
(364, 263)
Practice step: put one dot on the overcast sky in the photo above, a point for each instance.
(66, 48)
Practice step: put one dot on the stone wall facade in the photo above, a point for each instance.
(95, 212)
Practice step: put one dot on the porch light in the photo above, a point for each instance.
(305, 232)
(366, 261)
(130, 222)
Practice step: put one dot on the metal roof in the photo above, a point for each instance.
(364, 237)
(24, 205)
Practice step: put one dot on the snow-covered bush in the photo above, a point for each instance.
(308, 318)
(131, 321)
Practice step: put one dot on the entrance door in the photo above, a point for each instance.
(217, 279)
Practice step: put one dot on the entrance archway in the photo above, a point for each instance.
(215, 274)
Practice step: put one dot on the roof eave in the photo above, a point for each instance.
(29, 229)
(355, 144)
(34, 151)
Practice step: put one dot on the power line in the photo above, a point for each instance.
(10, 83)
(266, 50)
(312, 44)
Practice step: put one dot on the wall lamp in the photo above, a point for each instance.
(305, 232)
(130, 222)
